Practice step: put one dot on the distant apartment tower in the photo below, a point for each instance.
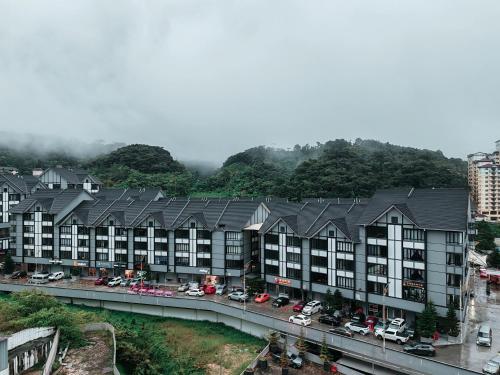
(484, 183)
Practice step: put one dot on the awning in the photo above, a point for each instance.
(254, 226)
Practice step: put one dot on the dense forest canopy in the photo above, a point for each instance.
(335, 168)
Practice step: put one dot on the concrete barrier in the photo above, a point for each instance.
(251, 322)
(47, 369)
(27, 335)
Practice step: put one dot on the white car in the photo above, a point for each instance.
(115, 281)
(492, 367)
(300, 320)
(398, 324)
(56, 276)
(195, 292)
(360, 328)
(312, 307)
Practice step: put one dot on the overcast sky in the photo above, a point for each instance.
(206, 79)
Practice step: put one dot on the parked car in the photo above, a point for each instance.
(280, 302)
(420, 349)
(492, 367)
(195, 292)
(220, 289)
(370, 319)
(183, 287)
(126, 282)
(329, 319)
(357, 327)
(483, 273)
(18, 275)
(398, 324)
(137, 281)
(294, 360)
(299, 306)
(392, 334)
(115, 281)
(262, 297)
(209, 289)
(358, 318)
(312, 307)
(300, 319)
(341, 331)
(194, 285)
(238, 296)
(380, 327)
(56, 276)
(103, 280)
(484, 335)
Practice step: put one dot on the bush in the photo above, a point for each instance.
(427, 320)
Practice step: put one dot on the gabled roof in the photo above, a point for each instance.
(53, 201)
(73, 175)
(145, 194)
(443, 209)
(21, 184)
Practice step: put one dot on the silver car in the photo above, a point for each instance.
(220, 289)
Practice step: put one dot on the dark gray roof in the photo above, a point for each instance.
(54, 201)
(21, 184)
(444, 209)
(145, 194)
(75, 175)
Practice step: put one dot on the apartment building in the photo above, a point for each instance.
(70, 178)
(401, 248)
(484, 183)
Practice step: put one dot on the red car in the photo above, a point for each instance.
(209, 289)
(370, 319)
(262, 297)
(298, 306)
(101, 281)
(483, 273)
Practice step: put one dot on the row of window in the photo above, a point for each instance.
(409, 234)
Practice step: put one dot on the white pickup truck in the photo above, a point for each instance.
(393, 335)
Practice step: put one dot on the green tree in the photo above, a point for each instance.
(273, 339)
(427, 320)
(324, 352)
(9, 264)
(329, 302)
(451, 321)
(338, 300)
(301, 344)
(485, 236)
(493, 259)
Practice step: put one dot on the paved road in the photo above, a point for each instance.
(482, 309)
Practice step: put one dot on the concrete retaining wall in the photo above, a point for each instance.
(92, 327)
(47, 369)
(250, 322)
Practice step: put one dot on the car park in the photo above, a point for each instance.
(115, 281)
(492, 367)
(195, 292)
(103, 280)
(298, 306)
(56, 276)
(420, 349)
(262, 297)
(484, 335)
(183, 287)
(238, 296)
(126, 282)
(329, 319)
(220, 289)
(281, 301)
(392, 334)
(312, 307)
(357, 327)
(18, 275)
(300, 320)
(342, 331)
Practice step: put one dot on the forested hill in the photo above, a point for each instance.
(333, 169)
(336, 168)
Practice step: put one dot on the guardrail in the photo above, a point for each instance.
(390, 358)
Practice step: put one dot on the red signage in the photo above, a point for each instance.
(280, 281)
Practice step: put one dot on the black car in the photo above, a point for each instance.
(358, 318)
(341, 331)
(281, 301)
(329, 319)
(18, 275)
(420, 349)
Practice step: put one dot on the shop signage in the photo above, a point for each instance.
(103, 264)
(413, 284)
(281, 281)
(80, 264)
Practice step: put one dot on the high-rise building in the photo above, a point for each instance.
(484, 183)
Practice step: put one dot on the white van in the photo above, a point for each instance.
(39, 278)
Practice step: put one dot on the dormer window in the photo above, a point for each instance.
(193, 225)
(37, 208)
(394, 220)
(151, 224)
(282, 229)
(111, 222)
